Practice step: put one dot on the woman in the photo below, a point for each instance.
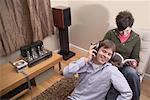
(128, 45)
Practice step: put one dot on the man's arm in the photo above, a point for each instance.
(74, 67)
(79, 65)
(121, 85)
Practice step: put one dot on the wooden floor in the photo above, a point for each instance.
(145, 89)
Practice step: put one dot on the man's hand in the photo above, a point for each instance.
(91, 54)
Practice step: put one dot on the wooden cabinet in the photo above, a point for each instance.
(10, 79)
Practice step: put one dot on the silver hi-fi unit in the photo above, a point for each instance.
(19, 65)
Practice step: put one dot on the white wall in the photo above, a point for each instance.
(59, 3)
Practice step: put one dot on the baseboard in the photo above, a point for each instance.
(77, 47)
(72, 45)
(56, 51)
(147, 76)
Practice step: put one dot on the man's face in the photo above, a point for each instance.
(104, 55)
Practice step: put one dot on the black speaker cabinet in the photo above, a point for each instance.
(61, 16)
(62, 19)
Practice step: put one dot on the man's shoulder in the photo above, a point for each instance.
(113, 70)
(111, 67)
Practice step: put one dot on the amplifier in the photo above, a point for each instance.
(34, 53)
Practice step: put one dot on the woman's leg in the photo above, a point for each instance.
(133, 79)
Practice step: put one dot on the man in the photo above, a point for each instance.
(96, 75)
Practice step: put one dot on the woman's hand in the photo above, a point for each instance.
(132, 63)
(135, 64)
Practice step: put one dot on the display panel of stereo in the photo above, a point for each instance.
(34, 53)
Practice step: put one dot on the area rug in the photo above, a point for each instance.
(58, 91)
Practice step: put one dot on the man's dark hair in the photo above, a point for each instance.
(124, 19)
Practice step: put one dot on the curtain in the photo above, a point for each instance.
(22, 22)
(41, 18)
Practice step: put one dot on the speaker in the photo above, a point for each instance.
(62, 19)
(61, 16)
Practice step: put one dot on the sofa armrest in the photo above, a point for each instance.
(144, 59)
(144, 51)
